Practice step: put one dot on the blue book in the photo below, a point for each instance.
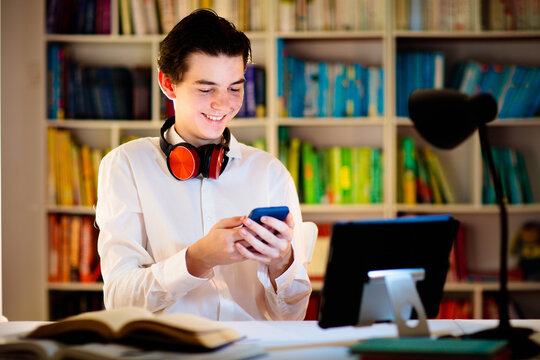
(123, 92)
(312, 89)
(509, 89)
(51, 53)
(457, 76)
(485, 84)
(471, 78)
(360, 74)
(428, 81)
(534, 105)
(513, 189)
(357, 89)
(526, 94)
(488, 189)
(324, 89)
(288, 87)
(106, 93)
(380, 95)
(499, 75)
(523, 176)
(260, 91)
(373, 92)
(71, 93)
(415, 15)
(280, 58)
(249, 91)
(399, 83)
(298, 88)
(352, 91)
(517, 94)
(90, 21)
(340, 91)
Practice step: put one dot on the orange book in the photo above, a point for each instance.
(74, 249)
(64, 244)
(53, 247)
(87, 252)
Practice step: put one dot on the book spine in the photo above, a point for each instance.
(125, 17)
(409, 171)
(54, 247)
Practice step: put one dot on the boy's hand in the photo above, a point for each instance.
(269, 243)
(216, 248)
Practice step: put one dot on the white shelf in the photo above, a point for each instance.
(378, 47)
(75, 286)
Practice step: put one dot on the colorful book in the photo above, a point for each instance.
(409, 170)
(390, 348)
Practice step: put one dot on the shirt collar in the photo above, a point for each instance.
(173, 137)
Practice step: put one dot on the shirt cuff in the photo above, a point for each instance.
(285, 279)
(174, 276)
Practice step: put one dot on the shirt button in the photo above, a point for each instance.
(208, 218)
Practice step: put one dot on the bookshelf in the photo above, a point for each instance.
(375, 44)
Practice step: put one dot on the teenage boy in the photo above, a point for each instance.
(174, 236)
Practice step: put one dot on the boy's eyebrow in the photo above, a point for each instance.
(208, 82)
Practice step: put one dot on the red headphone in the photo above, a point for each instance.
(186, 161)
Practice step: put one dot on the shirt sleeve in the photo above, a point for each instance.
(290, 300)
(130, 274)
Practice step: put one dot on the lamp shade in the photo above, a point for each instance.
(446, 118)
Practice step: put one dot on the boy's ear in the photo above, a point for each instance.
(166, 85)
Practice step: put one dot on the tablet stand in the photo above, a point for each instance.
(391, 295)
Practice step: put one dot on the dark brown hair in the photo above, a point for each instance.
(201, 31)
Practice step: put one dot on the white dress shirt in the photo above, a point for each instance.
(147, 219)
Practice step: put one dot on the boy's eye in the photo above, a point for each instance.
(234, 89)
(205, 90)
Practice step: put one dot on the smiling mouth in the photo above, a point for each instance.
(214, 118)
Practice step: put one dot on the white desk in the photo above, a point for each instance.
(305, 340)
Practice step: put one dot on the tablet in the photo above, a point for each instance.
(358, 247)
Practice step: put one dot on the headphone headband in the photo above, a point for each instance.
(186, 161)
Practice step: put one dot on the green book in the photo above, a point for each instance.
(345, 176)
(376, 176)
(431, 348)
(308, 159)
(364, 177)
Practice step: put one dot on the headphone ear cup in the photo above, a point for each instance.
(216, 162)
(205, 152)
(183, 161)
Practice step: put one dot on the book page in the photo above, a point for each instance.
(116, 318)
(106, 323)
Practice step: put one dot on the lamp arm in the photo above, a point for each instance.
(504, 317)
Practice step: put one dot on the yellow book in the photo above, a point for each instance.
(97, 155)
(88, 176)
(65, 167)
(433, 183)
(52, 166)
(76, 174)
(138, 326)
(438, 171)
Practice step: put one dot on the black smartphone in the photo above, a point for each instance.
(278, 212)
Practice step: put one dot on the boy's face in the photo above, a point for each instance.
(208, 97)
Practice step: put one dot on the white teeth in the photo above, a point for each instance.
(215, 118)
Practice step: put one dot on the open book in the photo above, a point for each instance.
(39, 349)
(139, 327)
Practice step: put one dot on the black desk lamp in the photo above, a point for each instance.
(445, 118)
